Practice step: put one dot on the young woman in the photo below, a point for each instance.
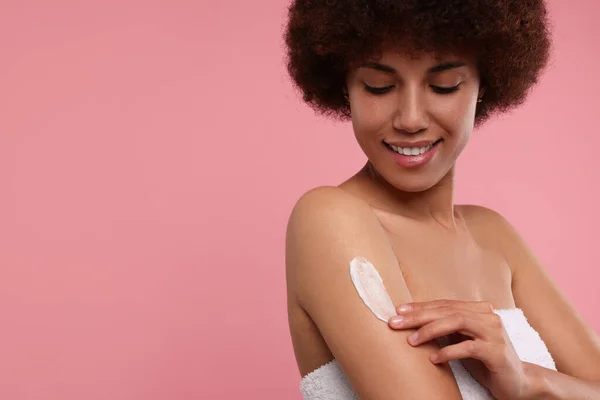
(415, 77)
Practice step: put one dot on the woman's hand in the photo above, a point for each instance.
(477, 337)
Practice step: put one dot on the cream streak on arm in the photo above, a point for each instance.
(371, 289)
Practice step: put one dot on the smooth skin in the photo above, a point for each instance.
(426, 249)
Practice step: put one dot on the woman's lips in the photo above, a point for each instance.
(415, 160)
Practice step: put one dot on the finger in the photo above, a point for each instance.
(468, 349)
(478, 306)
(467, 325)
(417, 319)
(419, 305)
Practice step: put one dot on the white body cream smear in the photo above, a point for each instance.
(370, 288)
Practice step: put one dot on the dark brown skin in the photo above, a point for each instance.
(425, 248)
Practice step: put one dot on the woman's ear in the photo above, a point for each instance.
(481, 92)
(345, 92)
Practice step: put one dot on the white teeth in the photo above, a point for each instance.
(411, 151)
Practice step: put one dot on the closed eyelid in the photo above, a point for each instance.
(448, 83)
(384, 79)
(436, 84)
(379, 84)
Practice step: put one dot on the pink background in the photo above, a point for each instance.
(150, 154)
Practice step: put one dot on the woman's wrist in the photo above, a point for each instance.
(536, 386)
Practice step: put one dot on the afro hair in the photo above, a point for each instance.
(509, 39)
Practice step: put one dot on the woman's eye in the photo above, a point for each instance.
(378, 90)
(437, 89)
(445, 90)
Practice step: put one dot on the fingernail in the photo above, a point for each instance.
(433, 357)
(404, 308)
(396, 320)
(413, 338)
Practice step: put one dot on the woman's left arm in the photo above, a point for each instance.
(573, 344)
(550, 384)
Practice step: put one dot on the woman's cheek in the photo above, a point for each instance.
(369, 114)
(455, 116)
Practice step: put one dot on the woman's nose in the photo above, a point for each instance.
(411, 115)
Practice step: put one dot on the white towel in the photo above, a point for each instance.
(329, 383)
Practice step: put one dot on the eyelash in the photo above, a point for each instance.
(437, 89)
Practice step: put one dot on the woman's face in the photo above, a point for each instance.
(423, 106)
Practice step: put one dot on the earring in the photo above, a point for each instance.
(479, 100)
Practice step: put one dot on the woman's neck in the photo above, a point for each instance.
(435, 205)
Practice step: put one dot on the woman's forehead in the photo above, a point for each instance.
(427, 55)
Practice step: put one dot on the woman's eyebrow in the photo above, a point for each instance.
(380, 67)
(446, 66)
(432, 70)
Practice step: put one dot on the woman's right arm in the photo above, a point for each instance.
(326, 230)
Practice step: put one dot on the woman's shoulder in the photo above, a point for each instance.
(332, 193)
(484, 221)
(478, 212)
(330, 202)
(327, 221)
(493, 230)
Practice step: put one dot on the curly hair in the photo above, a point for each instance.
(510, 40)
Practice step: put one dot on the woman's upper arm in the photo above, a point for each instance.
(326, 230)
(573, 344)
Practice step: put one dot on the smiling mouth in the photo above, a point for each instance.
(411, 151)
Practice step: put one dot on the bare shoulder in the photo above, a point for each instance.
(326, 208)
(495, 229)
(483, 218)
(491, 227)
(328, 199)
(323, 218)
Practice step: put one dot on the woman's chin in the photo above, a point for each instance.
(413, 180)
(416, 187)
(415, 183)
